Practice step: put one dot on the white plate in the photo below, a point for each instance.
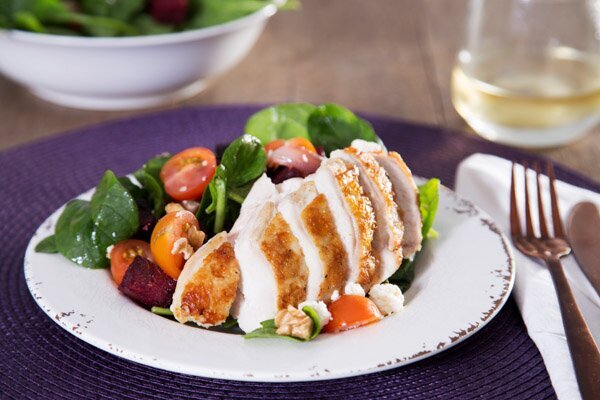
(462, 280)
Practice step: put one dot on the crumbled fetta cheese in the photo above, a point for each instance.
(354, 288)
(364, 146)
(387, 297)
(320, 308)
(109, 250)
(335, 295)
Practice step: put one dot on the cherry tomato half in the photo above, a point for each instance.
(187, 174)
(351, 311)
(298, 142)
(123, 254)
(168, 230)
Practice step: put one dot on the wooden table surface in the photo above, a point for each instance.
(388, 57)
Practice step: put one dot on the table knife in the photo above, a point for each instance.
(584, 235)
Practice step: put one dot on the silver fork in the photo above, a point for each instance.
(550, 248)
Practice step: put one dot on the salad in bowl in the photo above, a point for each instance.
(303, 225)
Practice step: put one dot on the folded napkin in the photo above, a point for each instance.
(485, 180)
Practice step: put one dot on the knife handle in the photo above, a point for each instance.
(584, 352)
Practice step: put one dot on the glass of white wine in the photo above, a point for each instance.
(529, 72)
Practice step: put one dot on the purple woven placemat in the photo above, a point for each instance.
(39, 360)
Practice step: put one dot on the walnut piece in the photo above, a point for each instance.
(182, 246)
(195, 237)
(293, 322)
(173, 207)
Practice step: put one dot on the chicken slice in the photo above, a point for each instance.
(282, 249)
(406, 194)
(262, 191)
(353, 215)
(311, 221)
(257, 292)
(273, 272)
(319, 222)
(387, 238)
(208, 284)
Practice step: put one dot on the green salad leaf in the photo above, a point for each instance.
(281, 121)
(429, 198)
(155, 164)
(75, 233)
(332, 127)
(122, 10)
(268, 330)
(243, 161)
(114, 212)
(85, 229)
(47, 245)
(154, 189)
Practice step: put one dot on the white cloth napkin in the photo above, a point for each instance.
(485, 180)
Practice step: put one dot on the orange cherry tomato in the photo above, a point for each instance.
(351, 311)
(299, 142)
(302, 143)
(274, 145)
(187, 174)
(123, 254)
(167, 231)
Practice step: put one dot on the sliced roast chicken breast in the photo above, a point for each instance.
(353, 215)
(406, 194)
(207, 285)
(311, 221)
(407, 199)
(387, 238)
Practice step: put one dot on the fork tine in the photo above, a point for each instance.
(542, 214)
(556, 219)
(515, 219)
(528, 222)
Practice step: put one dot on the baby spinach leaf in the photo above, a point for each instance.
(123, 10)
(268, 330)
(332, 127)
(429, 197)
(147, 25)
(75, 234)
(213, 12)
(47, 245)
(113, 211)
(230, 322)
(26, 21)
(154, 190)
(244, 160)
(315, 319)
(155, 164)
(281, 121)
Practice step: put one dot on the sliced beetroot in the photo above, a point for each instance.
(169, 11)
(282, 173)
(147, 284)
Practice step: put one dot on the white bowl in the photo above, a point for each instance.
(126, 72)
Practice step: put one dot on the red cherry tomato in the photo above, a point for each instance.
(123, 254)
(187, 174)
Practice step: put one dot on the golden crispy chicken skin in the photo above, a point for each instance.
(360, 207)
(282, 250)
(320, 224)
(208, 290)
